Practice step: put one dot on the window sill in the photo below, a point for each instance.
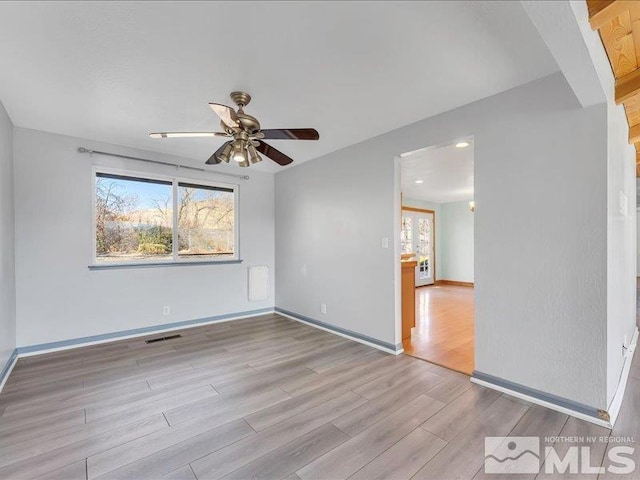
(114, 266)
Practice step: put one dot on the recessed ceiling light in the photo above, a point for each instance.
(419, 181)
(462, 144)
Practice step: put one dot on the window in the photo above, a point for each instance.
(156, 220)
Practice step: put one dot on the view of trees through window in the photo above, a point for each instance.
(135, 220)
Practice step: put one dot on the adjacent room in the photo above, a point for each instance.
(437, 236)
(319, 240)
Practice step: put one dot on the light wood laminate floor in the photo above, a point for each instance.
(444, 331)
(265, 397)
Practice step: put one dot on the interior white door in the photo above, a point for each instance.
(416, 237)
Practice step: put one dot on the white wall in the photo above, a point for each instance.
(7, 266)
(621, 244)
(456, 225)
(541, 299)
(584, 55)
(58, 297)
(637, 244)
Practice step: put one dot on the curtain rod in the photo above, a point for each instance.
(158, 162)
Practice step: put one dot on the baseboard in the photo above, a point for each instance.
(8, 367)
(453, 282)
(553, 402)
(343, 332)
(616, 402)
(137, 332)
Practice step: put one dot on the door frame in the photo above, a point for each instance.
(432, 212)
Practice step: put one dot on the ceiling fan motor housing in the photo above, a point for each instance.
(248, 123)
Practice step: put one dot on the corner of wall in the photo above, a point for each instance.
(7, 247)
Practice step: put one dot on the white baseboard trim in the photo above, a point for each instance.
(355, 338)
(616, 402)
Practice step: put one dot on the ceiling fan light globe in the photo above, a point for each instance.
(224, 156)
(239, 152)
(253, 154)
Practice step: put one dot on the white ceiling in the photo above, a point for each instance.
(114, 71)
(446, 172)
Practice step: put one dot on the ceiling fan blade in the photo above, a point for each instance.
(291, 134)
(186, 134)
(215, 158)
(275, 155)
(226, 114)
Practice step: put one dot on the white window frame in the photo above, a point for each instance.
(175, 180)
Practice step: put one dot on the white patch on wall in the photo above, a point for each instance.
(623, 206)
(258, 282)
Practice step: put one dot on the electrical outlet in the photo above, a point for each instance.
(166, 310)
(323, 308)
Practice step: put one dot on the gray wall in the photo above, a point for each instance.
(7, 265)
(456, 225)
(540, 235)
(58, 297)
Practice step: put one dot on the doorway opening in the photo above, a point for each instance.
(437, 254)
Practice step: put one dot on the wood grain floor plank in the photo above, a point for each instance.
(75, 471)
(351, 456)
(455, 417)
(182, 473)
(403, 459)
(227, 406)
(104, 409)
(19, 428)
(463, 456)
(68, 454)
(60, 437)
(269, 416)
(379, 408)
(258, 379)
(174, 456)
(453, 385)
(63, 402)
(355, 377)
(292, 456)
(235, 456)
(417, 371)
(200, 376)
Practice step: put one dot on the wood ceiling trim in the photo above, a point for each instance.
(627, 86)
(634, 135)
(618, 22)
(602, 11)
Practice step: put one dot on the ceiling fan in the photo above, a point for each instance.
(247, 136)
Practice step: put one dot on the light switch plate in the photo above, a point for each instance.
(384, 242)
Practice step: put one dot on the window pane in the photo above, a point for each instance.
(134, 219)
(205, 221)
